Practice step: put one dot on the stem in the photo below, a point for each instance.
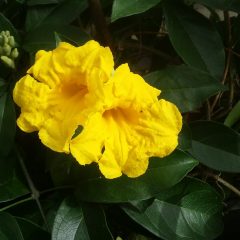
(100, 22)
(17, 203)
(35, 192)
(225, 183)
(229, 55)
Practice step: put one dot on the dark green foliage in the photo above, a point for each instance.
(193, 58)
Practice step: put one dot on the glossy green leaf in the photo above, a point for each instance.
(7, 124)
(189, 210)
(186, 87)
(3, 87)
(122, 8)
(9, 228)
(77, 222)
(216, 146)
(233, 116)
(233, 5)
(31, 230)
(44, 38)
(161, 174)
(60, 14)
(194, 38)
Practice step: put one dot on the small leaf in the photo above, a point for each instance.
(122, 8)
(74, 222)
(9, 228)
(216, 146)
(194, 38)
(187, 87)
(161, 174)
(7, 124)
(182, 212)
(233, 116)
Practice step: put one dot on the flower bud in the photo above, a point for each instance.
(14, 53)
(6, 49)
(8, 61)
(1, 40)
(11, 41)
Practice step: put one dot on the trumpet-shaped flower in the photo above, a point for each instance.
(123, 122)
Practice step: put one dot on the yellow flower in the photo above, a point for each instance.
(123, 122)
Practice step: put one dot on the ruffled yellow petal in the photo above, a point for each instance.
(123, 121)
(50, 65)
(131, 89)
(88, 145)
(31, 97)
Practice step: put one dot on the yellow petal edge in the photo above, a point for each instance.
(123, 122)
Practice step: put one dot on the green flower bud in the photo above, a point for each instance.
(7, 33)
(5, 39)
(14, 53)
(6, 49)
(8, 61)
(11, 41)
(1, 40)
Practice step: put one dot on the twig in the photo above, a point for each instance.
(17, 203)
(100, 22)
(229, 56)
(225, 183)
(35, 192)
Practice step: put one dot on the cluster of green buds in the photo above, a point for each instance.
(8, 50)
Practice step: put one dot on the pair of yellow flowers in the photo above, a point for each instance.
(122, 120)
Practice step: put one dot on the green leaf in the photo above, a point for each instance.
(31, 230)
(194, 38)
(216, 146)
(3, 86)
(189, 210)
(122, 8)
(61, 14)
(7, 124)
(86, 221)
(233, 5)
(233, 116)
(9, 229)
(185, 138)
(187, 87)
(5, 24)
(161, 174)
(44, 38)
(12, 188)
